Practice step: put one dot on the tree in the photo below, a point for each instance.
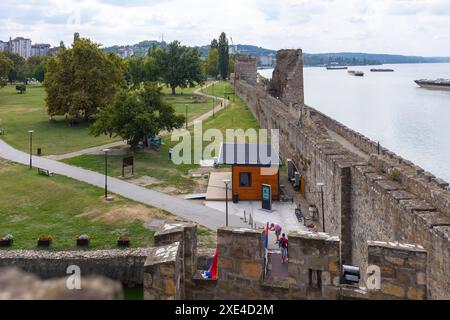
(212, 63)
(136, 72)
(214, 44)
(223, 55)
(18, 71)
(179, 66)
(36, 67)
(231, 64)
(82, 80)
(136, 114)
(5, 67)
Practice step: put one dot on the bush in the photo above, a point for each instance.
(21, 88)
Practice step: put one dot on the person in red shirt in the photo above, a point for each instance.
(283, 244)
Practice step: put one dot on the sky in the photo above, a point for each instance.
(412, 27)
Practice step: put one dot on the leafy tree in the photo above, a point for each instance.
(136, 114)
(5, 67)
(212, 63)
(18, 71)
(82, 80)
(39, 71)
(36, 67)
(179, 66)
(136, 72)
(231, 64)
(141, 70)
(223, 55)
(214, 44)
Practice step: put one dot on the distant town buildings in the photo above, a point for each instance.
(40, 49)
(3, 45)
(25, 49)
(267, 61)
(125, 52)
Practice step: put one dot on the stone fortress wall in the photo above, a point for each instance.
(314, 271)
(124, 265)
(371, 194)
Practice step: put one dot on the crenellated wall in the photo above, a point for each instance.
(370, 193)
(313, 271)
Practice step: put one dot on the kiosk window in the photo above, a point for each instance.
(245, 179)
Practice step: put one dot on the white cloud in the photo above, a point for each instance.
(387, 26)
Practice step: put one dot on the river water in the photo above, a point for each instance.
(390, 108)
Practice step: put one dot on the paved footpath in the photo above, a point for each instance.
(208, 217)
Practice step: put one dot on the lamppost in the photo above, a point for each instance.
(31, 148)
(187, 116)
(227, 182)
(321, 185)
(213, 98)
(106, 173)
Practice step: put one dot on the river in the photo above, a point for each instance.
(388, 107)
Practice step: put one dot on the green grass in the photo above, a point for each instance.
(221, 89)
(31, 205)
(197, 105)
(156, 164)
(22, 112)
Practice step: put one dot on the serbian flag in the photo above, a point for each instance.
(212, 272)
(266, 248)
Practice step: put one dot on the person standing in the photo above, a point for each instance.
(277, 228)
(283, 244)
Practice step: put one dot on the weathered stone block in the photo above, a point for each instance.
(393, 290)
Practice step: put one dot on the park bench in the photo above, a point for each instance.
(45, 172)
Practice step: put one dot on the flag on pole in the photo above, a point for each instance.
(212, 272)
(266, 248)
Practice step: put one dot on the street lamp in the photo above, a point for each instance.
(31, 148)
(227, 182)
(187, 116)
(106, 173)
(213, 98)
(321, 185)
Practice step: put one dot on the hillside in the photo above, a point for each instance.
(309, 59)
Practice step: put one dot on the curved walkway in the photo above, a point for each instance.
(208, 217)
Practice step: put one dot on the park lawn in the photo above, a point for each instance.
(222, 89)
(157, 165)
(32, 205)
(22, 112)
(196, 104)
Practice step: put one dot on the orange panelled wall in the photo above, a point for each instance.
(254, 192)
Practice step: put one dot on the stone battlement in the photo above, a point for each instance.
(314, 270)
(371, 193)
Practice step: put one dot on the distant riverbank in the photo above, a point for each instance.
(388, 107)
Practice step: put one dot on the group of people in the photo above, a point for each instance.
(281, 241)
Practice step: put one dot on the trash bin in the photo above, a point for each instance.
(235, 197)
(39, 152)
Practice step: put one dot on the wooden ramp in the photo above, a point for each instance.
(216, 186)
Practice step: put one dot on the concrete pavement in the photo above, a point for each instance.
(208, 217)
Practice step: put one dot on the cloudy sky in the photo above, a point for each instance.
(416, 27)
